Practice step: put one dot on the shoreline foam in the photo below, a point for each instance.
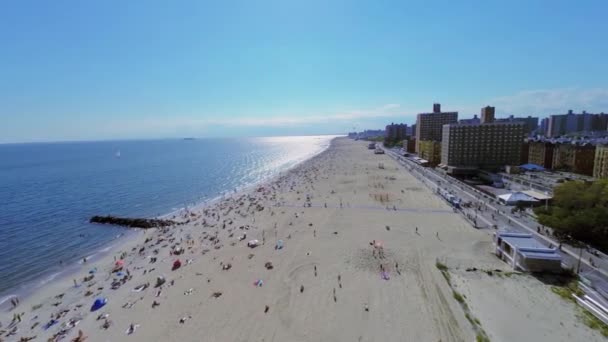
(26, 290)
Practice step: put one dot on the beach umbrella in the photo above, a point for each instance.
(98, 303)
(176, 264)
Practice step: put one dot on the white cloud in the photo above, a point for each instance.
(189, 122)
(388, 110)
(530, 102)
(552, 101)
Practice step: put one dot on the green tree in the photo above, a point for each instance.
(388, 142)
(579, 211)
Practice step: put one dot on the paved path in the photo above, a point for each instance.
(458, 188)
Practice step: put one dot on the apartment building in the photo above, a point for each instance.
(541, 153)
(600, 163)
(431, 151)
(429, 125)
(574, 157)
(492, 145)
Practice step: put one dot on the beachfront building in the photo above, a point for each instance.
(409, 144)
(429, 125)
(395, 131)
(431, 151)
(522, 252)
(574, 157)
(467, 147)
(541, 153)
(600, 164)
(525, 150)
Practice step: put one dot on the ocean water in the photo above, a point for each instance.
(48, 191)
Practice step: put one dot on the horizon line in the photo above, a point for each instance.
(163, 138)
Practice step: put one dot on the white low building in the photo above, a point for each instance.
(525, 253)
(514, 197)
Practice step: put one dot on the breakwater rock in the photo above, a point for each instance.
(132, 222)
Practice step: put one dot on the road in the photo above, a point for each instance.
(487, 213)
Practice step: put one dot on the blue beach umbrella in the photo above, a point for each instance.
(98, 304)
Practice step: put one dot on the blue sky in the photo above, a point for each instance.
(83, 70)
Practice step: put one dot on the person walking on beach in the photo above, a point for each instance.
(15, 301)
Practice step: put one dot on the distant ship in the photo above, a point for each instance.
(118, 154)
(188, 138)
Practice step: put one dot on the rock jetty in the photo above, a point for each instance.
(132, 222)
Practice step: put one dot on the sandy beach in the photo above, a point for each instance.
(348, 248)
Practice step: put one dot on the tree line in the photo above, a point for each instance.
(579, 212)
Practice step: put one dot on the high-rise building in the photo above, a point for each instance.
(436, 107)
(487, 114)
(525, 150)
(395, 131)
(474, 120)
(414, 130)
(541, 153)
(561, 124)
(493, 145)
(600, 164)
(409, 144)
(573, 157)
(544, 125)
(429, 125)
(530, 123)
(431, 151)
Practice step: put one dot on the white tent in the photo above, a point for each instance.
(515, 197)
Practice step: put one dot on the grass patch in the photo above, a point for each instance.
(440, 266)
(563, 292)
(469, 318)
(444, 271)
(458, 297)
(568, 290)
(446, 275)
(482, 338)
(594, 322)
